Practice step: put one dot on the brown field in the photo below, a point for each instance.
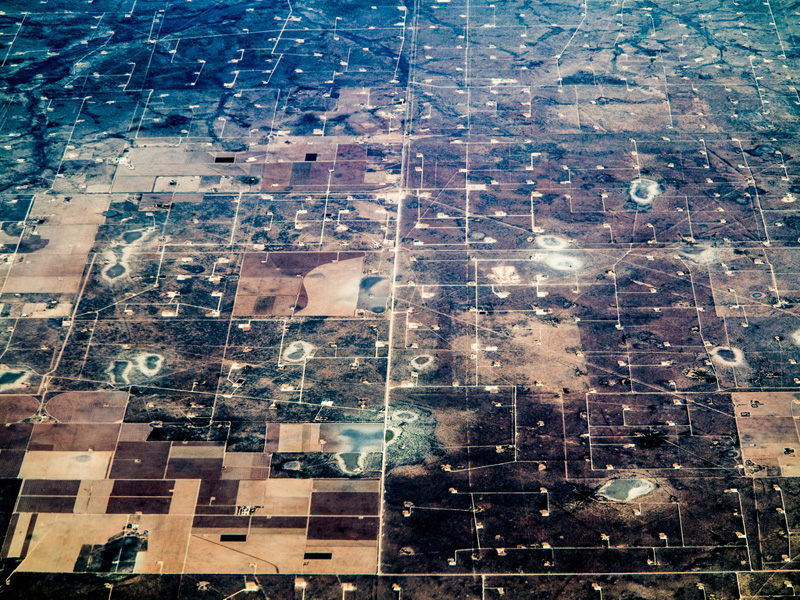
(69, 228)
(73, 437)
(197, 450)
(14, 408)
(251, 493)
(345, 503)
(140, 460)
(343, 528)
(362, 486)
(166, 543)
(46, 274)
(299, 437)
(263, 552)
(139, 183)
(65, 465)
(134, 432)
(93, 495)
(294, 283)
(88, 407)
(769, 435)
(246, 465)
(57, 539)
(184, 496)
(332, 289)
(276, 175)
(347, 557)
(287, 497)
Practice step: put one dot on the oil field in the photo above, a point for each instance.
(425, 299)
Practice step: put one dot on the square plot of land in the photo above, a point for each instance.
(300, 283)
(768, 431)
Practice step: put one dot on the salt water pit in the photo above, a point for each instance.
(644, 191)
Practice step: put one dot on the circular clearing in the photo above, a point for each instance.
(644, 191)
(563, 263)
(551, 242)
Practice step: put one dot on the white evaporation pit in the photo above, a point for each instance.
(644, 191)
(626, 489)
